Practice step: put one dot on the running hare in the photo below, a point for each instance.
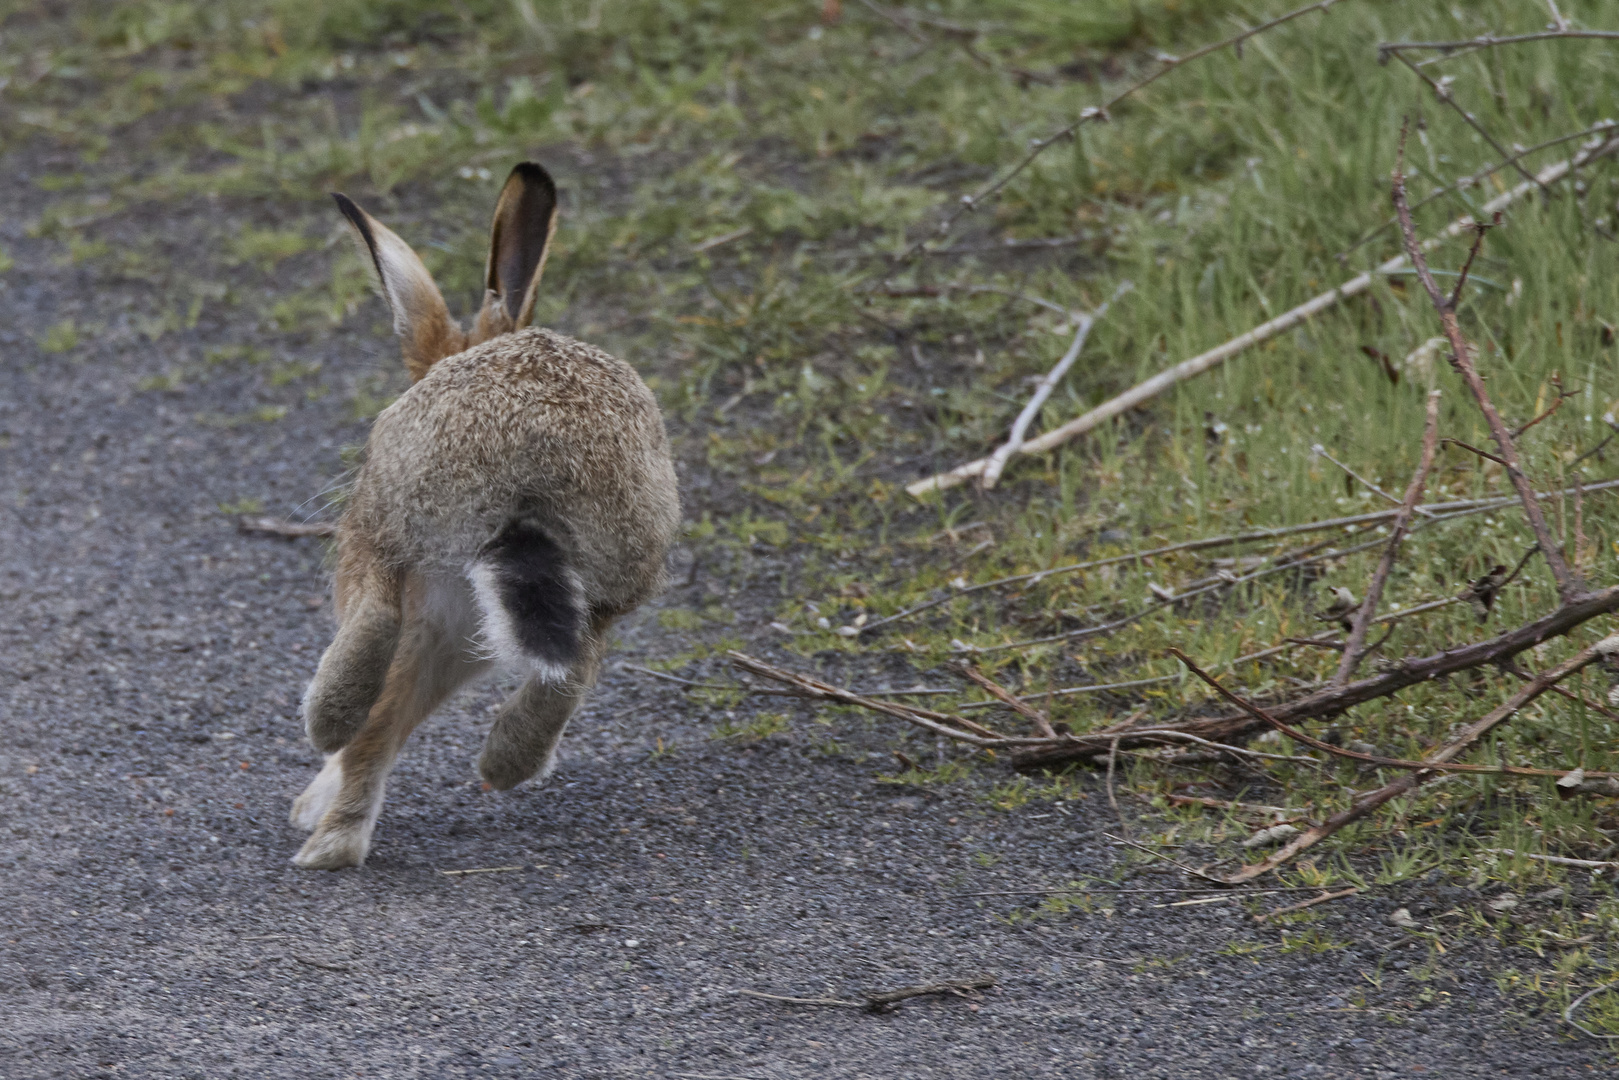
(514, 501)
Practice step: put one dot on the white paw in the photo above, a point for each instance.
(311, 806)
(334, 850)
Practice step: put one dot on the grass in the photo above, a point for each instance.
(736, 178)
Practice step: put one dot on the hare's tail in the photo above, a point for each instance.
(532, 602)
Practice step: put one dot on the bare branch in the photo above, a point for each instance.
(1441, 91)
(1568, 584)
(1487, 41)
(1410, 781)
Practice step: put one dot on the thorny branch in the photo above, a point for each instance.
(1568, 583)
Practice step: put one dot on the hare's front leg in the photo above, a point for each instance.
(343, 802)
(523, 742)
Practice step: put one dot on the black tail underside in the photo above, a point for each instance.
(532, 602)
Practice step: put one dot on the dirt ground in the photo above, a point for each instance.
(151, 659)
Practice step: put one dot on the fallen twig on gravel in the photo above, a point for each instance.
(886, 1000)
(481, 870)
(1151, 388)
(1310, 903)
(1556, 860)
(1568, 1013)
(289, 529)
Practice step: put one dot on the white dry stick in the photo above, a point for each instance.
(1020, 426)
(1600, 146)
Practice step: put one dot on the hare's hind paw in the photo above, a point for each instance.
(334, 849)
(317, 798)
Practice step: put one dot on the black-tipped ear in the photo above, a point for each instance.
(362, 226)
(525, 218)
(427, 333)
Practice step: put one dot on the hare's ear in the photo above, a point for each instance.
(525, 218)
(426, 332)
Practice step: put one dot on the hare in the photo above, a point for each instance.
(513, 503)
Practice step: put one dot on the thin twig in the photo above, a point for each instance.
(324, 966)
(290, 529)
(1120, 623)
(1310, 903)
(1321, 451)
(1160, 855)
(1457, 508)
(1041, 722)
(1488, 41)
(1355, 645)
(1568, 584)
(1604, 647)
(1568, 1013)
(1556, 860)
(1102, 112)
(1020, 426)
(1442, 91)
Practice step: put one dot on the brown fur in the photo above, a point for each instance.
(525, 424)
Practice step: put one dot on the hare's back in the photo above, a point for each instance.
(527, 424)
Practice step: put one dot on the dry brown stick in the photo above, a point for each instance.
(1409, 782)
(889, 998)
(1461, 359)
(1145, 391)
(1092, 114)
(936, 722)
(277, 527)
(1330, 701)
(1310, 903)
(1355, 646)
(1041, 722)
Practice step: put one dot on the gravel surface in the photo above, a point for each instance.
(151, 659)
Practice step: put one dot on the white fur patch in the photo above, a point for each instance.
(499, 631)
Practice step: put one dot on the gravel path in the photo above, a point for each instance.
(151, 659)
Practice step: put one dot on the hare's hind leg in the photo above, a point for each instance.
(523, 741)
(432, 662)
(356, 664)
